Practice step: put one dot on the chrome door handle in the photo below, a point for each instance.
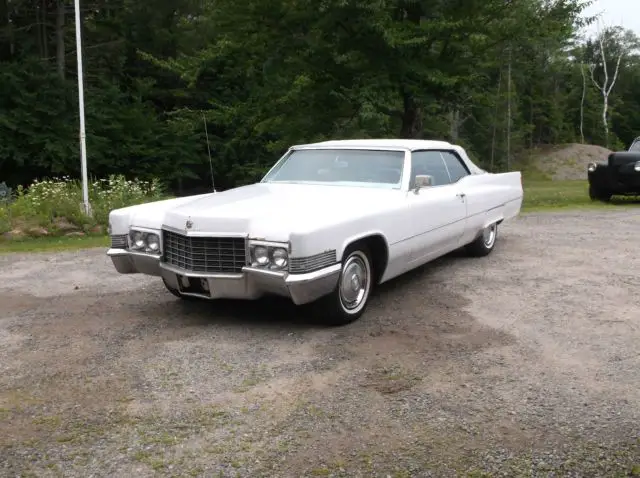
(461, 195)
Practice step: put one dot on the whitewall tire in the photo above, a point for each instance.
(485, 242)
(350, 298)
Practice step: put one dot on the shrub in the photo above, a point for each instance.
(51, 202)
(5, 224)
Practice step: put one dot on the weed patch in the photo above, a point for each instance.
(53, 207)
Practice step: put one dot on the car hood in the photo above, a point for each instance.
(267, 211)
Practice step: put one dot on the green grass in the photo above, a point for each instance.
(43, 244)
(539, 195)
(552, 195)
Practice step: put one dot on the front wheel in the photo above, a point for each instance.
(596, 194)
(349, 299)
(484, 244)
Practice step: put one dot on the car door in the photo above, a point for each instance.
(438, 212)
(483, 198)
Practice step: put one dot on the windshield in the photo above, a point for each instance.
(635, 146)
(351, 167)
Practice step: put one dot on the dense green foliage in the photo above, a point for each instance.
(496, 76)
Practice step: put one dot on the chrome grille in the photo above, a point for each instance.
(204, 254)
(119, 241)
(299, 265)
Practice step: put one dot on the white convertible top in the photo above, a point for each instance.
(395, 144)
(410, 144)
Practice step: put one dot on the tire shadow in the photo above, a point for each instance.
(279, 312)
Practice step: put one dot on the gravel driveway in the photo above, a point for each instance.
(519, 363)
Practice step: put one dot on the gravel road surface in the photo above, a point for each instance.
(522, 363)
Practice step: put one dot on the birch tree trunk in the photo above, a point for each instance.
(454, 124)
(606, 87)
(495, 122)
(584, 93)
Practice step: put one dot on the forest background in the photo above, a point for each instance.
(500, 77)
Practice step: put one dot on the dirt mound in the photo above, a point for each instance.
(565, 161)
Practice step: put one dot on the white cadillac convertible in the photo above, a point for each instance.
(327, 223)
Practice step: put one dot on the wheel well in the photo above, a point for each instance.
(377, 245)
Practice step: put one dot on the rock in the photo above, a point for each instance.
(74, 234)
(14, 234)
(38, 232)
(62, 224)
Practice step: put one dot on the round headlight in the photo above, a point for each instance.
(261, 255)
(153, 242)
(591, 167)
(138, 240)
(280, 257)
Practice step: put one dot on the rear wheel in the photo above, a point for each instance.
(484, 244)
(350, 298)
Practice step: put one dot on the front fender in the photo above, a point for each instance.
(356, 237)
(600, 177)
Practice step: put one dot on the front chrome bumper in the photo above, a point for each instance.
(251, 283)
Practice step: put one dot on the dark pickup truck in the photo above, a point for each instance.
(619, 175)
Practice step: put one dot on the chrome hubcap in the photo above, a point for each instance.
(355, 282)
(354, 285)
(489, 235)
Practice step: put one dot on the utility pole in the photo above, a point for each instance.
(83, 136)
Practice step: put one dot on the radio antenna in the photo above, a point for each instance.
(206, 133)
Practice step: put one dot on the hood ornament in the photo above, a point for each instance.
(189, 224)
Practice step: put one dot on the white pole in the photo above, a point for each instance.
(83, 143)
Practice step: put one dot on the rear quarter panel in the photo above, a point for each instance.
(491, 198)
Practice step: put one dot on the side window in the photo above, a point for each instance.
(457, 169)
(431, 163)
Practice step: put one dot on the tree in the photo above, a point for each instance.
(498, 77)
(607, 84)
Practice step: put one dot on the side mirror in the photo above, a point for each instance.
(422, 181)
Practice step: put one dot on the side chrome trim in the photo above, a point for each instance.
(302, 265)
